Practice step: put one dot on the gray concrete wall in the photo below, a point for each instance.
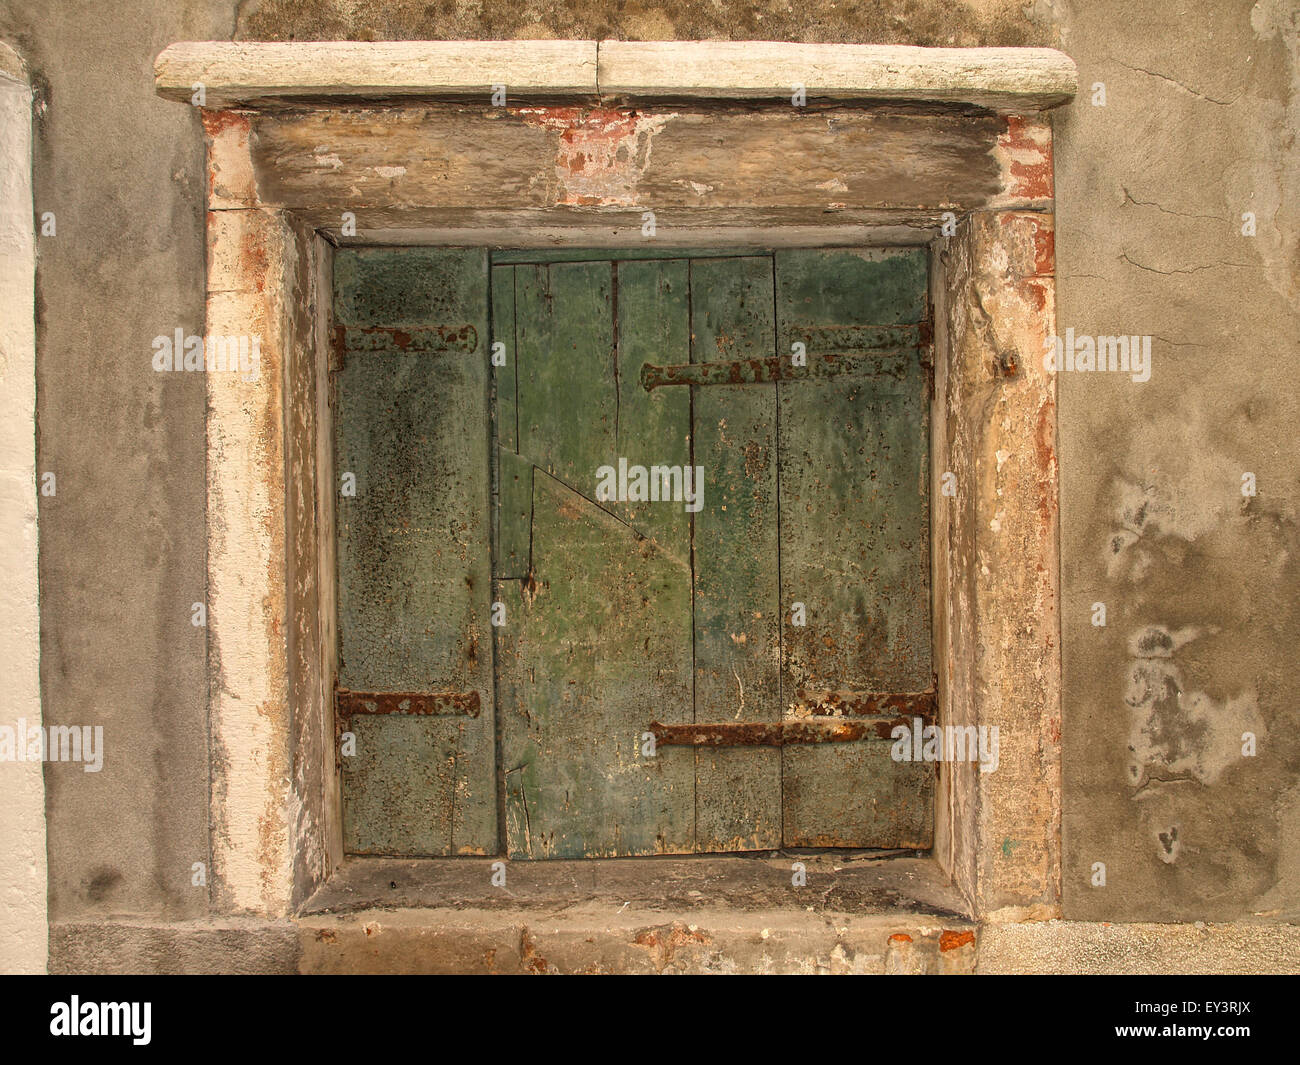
(1199, 581)
(122, 542)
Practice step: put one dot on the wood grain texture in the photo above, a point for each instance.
(594, 651)
(855, 544)
(413, 551)
(737, 633)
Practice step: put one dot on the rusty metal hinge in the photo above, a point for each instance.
(833, 717)
(773, 734)
(828, 351)
(413, 704)
(819, 366)
(383, 338)
(868, 704)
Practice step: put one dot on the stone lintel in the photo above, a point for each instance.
(263, 74)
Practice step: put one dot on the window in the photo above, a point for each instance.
(698, 484)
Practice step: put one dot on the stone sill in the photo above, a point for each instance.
(267, 74)
(895, 887)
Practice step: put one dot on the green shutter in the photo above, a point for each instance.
(623, 618)
(855, 545)
(411, 423)
(597, 641)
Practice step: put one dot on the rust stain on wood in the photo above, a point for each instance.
(420, 704)
(866, 704)
(773, 734)
(763, 371)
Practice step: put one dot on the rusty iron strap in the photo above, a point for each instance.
(819, 366)
(418, 704)
(868, 704)
(775, 733)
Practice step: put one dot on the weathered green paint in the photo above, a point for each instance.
(513, 513)
(736, 551)
(854, 545)
(855, 795)
(597, 648)
(504, 386)
(597, 640)
(646, 252)
(514, 516)
(653, 323)
(624, 614)
(827, 294)
(567, 396)
(399, 789)
(886, 364)
(413, 549)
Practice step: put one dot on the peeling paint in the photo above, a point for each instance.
(602, 152)
(1024, 153)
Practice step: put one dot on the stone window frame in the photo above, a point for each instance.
(586, 116)
(23, 873)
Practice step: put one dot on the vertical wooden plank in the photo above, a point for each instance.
(597, 641)
(736, 600)
(599, 647)
(854, 545)
(654, 428)
(413, 545)
(514, 516)
(513, 502)
(568, 399)
(503, 377)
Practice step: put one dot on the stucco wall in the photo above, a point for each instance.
(122, 542)
(1199, 581)
(1150, 191)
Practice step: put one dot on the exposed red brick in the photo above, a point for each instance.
(600, 154)
(952, 940)
(1044, 237)
(1028, 147)
(217, 122)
